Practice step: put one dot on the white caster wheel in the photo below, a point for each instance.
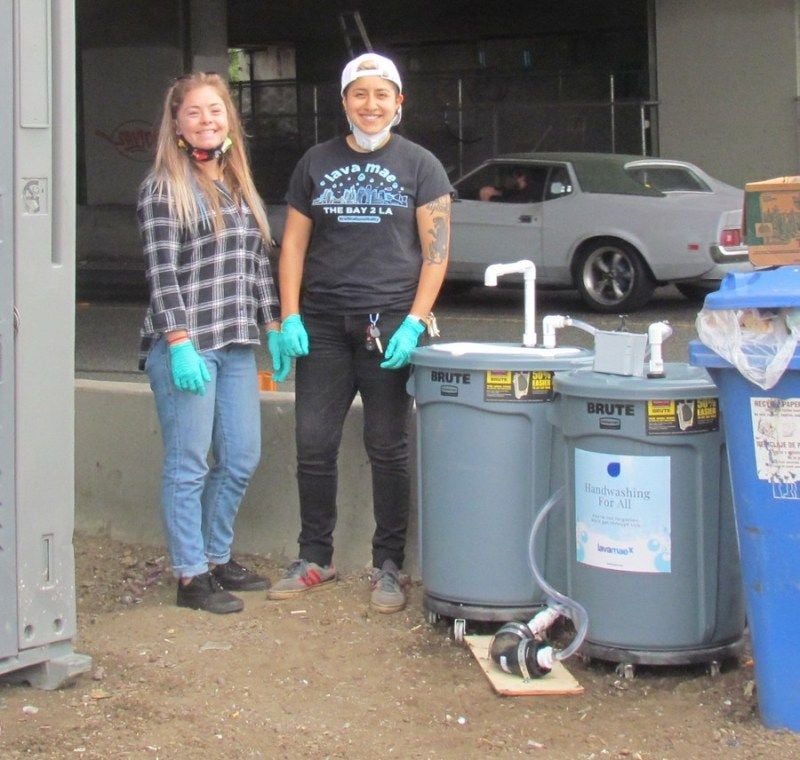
(431, 617)
(714, 668)
(459, 629)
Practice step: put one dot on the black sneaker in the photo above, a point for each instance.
(236, 577)
(203, 592)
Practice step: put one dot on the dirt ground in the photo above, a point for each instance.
(324, 677)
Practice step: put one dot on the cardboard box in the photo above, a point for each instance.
(771, 222)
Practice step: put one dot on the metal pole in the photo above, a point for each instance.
(316, 115)
(613, 114)
(460, 127)
(646, 117)
(642, 128)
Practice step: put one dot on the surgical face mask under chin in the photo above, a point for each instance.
(369, 142)
(373, 142)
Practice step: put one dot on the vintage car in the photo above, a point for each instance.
(614, 227)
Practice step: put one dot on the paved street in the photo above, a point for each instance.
(107, 333)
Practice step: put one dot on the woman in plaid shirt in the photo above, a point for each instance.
(205, 236)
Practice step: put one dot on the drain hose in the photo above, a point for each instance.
(555, 600)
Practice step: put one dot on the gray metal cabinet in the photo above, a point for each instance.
(37, 302)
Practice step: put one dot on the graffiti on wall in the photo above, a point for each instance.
(134, 139)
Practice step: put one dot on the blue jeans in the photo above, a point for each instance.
(326, 381)
(199, 502)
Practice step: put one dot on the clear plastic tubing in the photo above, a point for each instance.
(569, 607)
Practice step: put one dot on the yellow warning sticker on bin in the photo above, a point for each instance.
(676, 416)
(518, 385)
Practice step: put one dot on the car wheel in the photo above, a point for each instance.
(611, 277)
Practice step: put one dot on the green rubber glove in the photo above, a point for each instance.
(189, 371)
(295, 337)
(402, 343)
(281, 362)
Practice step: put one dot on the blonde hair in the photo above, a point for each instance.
(173, 172)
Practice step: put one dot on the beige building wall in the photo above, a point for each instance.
(727, 78)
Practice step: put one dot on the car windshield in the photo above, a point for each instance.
(667, 178)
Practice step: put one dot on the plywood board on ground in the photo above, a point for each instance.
(558, 682)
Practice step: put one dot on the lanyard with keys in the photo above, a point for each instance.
(373, 339)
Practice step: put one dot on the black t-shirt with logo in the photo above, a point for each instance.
(364, 254)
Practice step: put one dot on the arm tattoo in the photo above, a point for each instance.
(442, 205)
(439, 245)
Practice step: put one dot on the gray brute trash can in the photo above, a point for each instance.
(651, 533)
(488, 459)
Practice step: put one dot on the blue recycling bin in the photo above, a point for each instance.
(762, 430)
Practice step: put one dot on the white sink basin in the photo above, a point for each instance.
(505, 349)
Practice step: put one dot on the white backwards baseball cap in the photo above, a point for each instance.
(370, 65)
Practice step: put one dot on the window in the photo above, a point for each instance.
(469, 187)
(504, 183)
(559, 183)
(667, 178)
(272, 63)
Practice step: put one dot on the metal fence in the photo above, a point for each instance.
(462, 119)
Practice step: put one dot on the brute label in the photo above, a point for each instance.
(440, 376)
(608, 407)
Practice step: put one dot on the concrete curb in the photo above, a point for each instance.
(118, 455)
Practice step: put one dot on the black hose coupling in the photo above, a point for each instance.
(514, 650)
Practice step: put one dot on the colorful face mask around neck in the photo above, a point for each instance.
(201, 154)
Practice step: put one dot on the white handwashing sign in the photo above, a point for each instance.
(622, 512)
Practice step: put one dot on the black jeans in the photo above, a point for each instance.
(337, 366)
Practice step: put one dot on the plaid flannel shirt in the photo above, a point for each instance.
(219, 288)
